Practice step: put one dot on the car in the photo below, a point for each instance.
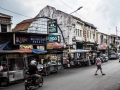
(118, 53)
(105, 57)
(102, 59)
(113, 56)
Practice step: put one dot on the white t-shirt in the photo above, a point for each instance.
(98, 61)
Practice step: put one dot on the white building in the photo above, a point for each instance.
(5, 23)
(75, 30)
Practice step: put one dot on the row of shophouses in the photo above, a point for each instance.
(53, 31)
(64, 29)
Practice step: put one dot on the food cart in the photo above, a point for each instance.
(51, 63)
(78, 58)
(14, 63)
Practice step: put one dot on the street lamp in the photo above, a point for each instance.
(76, 10)
(70, 26)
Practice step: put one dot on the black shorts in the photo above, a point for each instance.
(99, 67)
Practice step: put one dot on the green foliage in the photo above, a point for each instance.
(112, 45)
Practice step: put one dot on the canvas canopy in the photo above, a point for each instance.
(78, 51)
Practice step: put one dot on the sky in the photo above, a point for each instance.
(104, 14)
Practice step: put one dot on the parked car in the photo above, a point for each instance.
(113, 56)
(104, 57)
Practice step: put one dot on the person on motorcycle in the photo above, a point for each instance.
(33, 71)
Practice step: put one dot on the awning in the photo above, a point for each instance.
(2, 45)
(24, 50)
(54, 45)
(79, 51)
(11, 51)
(37, 51)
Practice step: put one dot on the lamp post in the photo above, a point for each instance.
(76, 10)
(71, 26)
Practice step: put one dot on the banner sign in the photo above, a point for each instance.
(40, 47)
(26, 46)
(49, 46)
(52, 26)
(29, 39)
(54, 38)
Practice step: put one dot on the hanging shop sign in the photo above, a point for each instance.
(41, 47)
(52, 26)
(20, 38)
(54, 38)
(26, 46)
(49, 46)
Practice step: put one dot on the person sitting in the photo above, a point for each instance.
(33, 71)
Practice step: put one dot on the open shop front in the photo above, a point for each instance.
(47, 62)
(78, 58)
(52, 60)
(12, 64)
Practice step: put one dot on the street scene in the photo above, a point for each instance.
(79, 79)
(47, 45)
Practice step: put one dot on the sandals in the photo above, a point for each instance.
(97, 74)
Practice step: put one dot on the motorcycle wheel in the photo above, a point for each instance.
(41, 82)
(27, 87)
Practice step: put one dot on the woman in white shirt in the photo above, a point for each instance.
(98, 64)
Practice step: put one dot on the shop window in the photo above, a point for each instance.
(3, 28)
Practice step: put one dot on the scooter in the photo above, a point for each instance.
(31, 82)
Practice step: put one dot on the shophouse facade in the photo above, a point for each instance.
(78, 34)
(55, 45)
(5, 23)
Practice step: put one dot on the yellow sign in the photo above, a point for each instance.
(49, 46)
(26, 46)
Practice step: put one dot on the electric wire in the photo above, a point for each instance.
(14, 12)
(71, 8)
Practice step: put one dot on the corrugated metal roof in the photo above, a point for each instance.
(24, 25)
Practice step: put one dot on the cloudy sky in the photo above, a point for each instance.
(104, 14)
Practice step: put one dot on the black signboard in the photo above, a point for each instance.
(29, 39)
(52, 26)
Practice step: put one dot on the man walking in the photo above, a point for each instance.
(98, 64)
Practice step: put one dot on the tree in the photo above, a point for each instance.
(112, 45)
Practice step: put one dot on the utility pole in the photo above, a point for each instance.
(116, 38)
(69, 37)
(69, 30)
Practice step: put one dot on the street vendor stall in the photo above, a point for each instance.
(78, 58)
(13, 63)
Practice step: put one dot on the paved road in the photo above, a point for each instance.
(80, 79)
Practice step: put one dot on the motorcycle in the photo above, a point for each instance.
(31, 81)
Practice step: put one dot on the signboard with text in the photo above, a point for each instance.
(52, 26)
(40, 47)
(54, 38)
(26, 46)
(20, 38)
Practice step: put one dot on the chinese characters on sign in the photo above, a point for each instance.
(29, 39)
(52, 26)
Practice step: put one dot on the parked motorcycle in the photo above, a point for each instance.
(31, 82)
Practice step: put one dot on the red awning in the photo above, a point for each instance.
(54, 45)
(24, 50)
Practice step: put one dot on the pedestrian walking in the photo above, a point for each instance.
(98, 64)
